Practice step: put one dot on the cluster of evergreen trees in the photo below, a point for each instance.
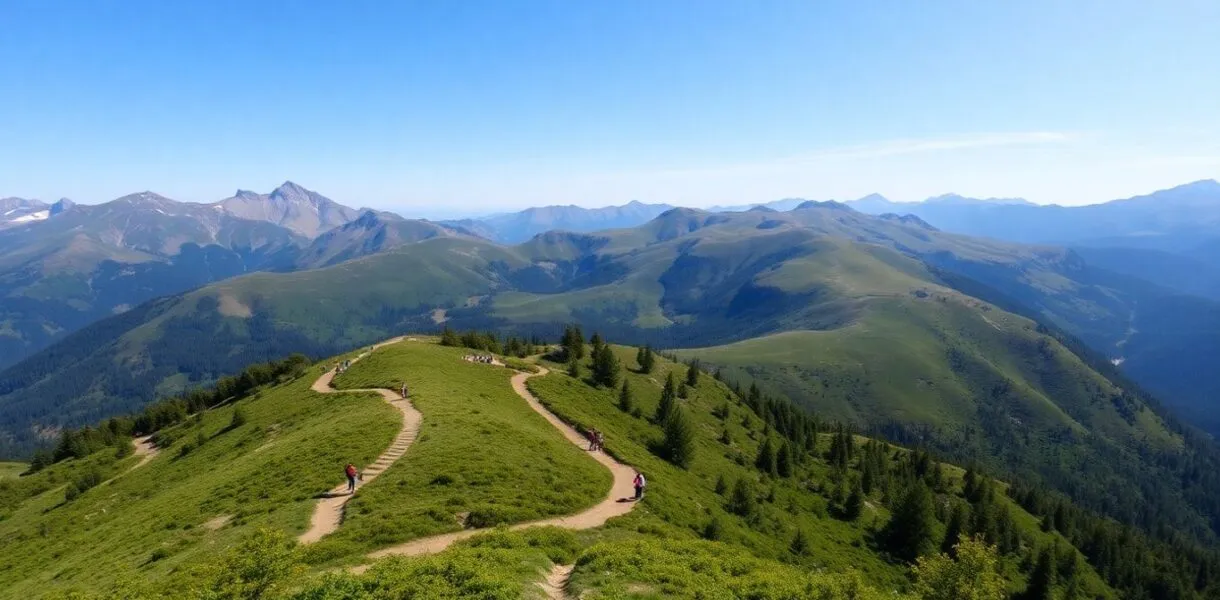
(118, 431)
(490, 342)
(1129, 560)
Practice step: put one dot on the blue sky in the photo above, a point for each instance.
(471, 106)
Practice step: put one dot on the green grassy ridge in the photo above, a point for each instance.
(482, 458)
(151, 521)
(800, 503)
(294, 442)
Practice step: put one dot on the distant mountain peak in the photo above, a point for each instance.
(873, 197)
(823, 204)
(952, 198)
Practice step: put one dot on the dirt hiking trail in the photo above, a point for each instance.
(616, 503)
(328, 513)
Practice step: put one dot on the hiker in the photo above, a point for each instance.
(639, 482)
(350, 471)
(601, 439)
(591, 435)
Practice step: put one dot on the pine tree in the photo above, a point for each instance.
(854, 506)
(683, 391)
(595, 343)
(449, 337)
(800, 543)
(766, 461)
(692, 373)
(714, 530)
(626, 401)
(605, 366)
(959, 519)
(909, 534)
(722, 486)
(1042, 580)
(573, 366)
(668, 401)
(573, 342)
(679, 441)
(783, 461)
(647, 359)
(742, 501)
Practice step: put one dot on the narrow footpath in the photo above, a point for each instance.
(617, 502)
(328, 513)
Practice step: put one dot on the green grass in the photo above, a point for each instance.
(500, 564)
(684, 501)
(647, 568)
(680, 503)
(483, 456)
(11, 469)
(151, 521)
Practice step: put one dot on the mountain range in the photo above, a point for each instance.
(1036, 360)
(63, 266)
(964, 344)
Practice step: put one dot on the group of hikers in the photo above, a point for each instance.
(343, 366)
(486, 359)
(596, 439)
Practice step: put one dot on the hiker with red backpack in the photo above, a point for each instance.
(352, 475)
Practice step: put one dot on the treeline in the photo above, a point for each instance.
(1130, 561)
(118, 431)
(490, 342)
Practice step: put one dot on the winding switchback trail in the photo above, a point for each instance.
(617, 501)
(328, 513)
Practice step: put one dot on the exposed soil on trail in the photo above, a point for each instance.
(328, 513)
(616, 503)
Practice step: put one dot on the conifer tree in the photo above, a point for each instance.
(692, 373)
(909, 534)
(668, 401)
(605, 366)
(722, 486)
(679, 441)
(626, 401)
(573, 366)
(449, 337)
(742, 502)
(766, 461)
(959, 519)
(854, 506)
(800, 543)
(1042, 580)
(784, 460)
(646, 359)
(595, 343)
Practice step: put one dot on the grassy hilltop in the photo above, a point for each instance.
(212, 515)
